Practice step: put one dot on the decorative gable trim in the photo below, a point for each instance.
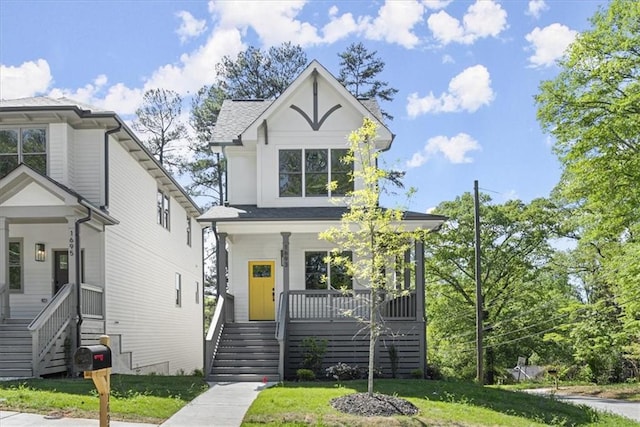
(315, 124)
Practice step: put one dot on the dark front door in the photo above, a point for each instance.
(60, 270)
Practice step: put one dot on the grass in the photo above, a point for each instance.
(139, 398)
(440, 404)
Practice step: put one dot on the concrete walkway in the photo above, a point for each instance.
(223, 405)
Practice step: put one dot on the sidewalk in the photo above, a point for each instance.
(223, 405)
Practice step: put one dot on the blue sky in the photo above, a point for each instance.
(466, 71)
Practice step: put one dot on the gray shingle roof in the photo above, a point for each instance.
(254, 213)
(236, 116)
(45, 101)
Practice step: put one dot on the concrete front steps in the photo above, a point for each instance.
(247, 352)
(15, 349)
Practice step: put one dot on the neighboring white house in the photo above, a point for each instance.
(281, 155)
(83, 202)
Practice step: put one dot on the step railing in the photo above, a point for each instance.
(281, 331)
(224, 313)
(52, 322)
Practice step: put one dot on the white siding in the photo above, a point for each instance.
(60, 146)
(142, 259)
(89, 164)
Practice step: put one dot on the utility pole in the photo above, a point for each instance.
(479, 314)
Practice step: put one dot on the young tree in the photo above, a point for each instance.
(359, 70)
(374, 235)
(159, 117)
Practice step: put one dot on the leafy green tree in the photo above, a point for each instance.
(159, 118)
(374, 235)
(592, 108)
(359, 70)
(519, 289)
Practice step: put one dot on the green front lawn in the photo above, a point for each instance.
(141, 398)
(440, 404)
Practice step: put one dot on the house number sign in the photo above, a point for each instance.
(72, 242)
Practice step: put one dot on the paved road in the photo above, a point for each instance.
(621, 407)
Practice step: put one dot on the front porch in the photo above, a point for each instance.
(328, 315)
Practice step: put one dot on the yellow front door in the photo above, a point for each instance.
(262, 290)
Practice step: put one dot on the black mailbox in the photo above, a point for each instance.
(92, 357)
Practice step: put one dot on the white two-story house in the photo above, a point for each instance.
(281, 155)
(95, 238)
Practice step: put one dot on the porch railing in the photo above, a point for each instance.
(331, 304)
(56, 316)
(224, 313)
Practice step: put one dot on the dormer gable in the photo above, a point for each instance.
(314, 98)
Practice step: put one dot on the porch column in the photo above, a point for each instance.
(285, 261)
(407, 269)
(5, 312)
(72, 247)
(420, 302)
(221, 264)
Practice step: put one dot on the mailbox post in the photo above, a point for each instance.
(95, 361)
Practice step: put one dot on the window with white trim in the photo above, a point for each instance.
(308, 172)
(163, 209)
(23, 145)
(321, 273)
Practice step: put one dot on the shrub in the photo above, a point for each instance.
(417, 374)
(394, 357)
(342, 371)
(313, 351)
(305, 375)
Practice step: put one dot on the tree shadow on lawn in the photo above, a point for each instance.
(542, 409)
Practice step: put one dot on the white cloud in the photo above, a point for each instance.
(468, 91)
(448, 59)
(536, 7)
(394, 23)
(189, 26)
(454, 149)
(26, 80)
(484, 18)
(549, 44)
(510, 195)
(339, 26)
(274, 22)
(436, 4)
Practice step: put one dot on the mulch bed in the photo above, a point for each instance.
(371, 406)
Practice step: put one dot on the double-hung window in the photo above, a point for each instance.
(163, 209)
(23, 145)
(320, 274)
(308, 172)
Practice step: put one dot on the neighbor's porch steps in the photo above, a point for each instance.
(247, 352)
(15, 349)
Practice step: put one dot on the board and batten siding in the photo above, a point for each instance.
(142, 259)
(241, 179)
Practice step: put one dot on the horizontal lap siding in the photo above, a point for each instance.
(348, 342)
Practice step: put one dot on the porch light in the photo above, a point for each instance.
(40, 252)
